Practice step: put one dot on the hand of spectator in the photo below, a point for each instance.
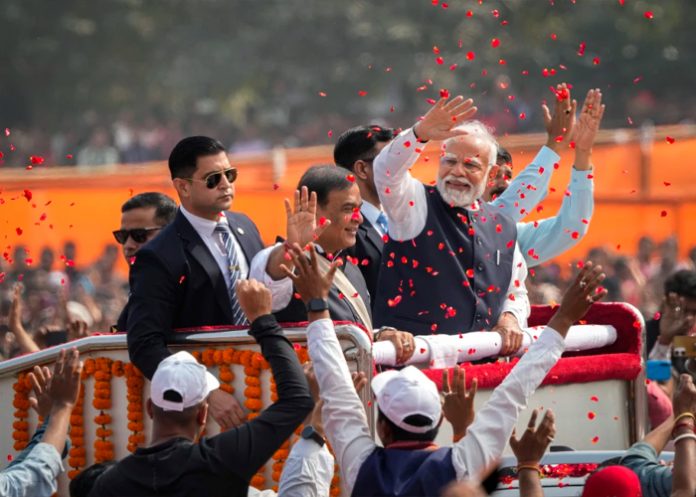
(403, 342)
(25, 342)
(588, 123)
(531, 447)
(309, 282)
(685, 396)
(77, 329)
(301, 219)
(560, 125)
(40, 379)
(254, 299)
(510, 332)
(583, 292)
(439, 122)
(458, 406)
(359, 381)
(65, 382)
(674, 320)
(225, 410)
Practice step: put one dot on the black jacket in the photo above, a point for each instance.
(221, 465)
(176, 283)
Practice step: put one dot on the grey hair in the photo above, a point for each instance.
(478, 129)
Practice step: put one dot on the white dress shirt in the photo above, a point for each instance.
(371, 213)
(206, 230)
(345, 421)
(406, 207)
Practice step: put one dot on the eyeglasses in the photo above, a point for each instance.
(139, 235)
(213, 179)
(469, 166)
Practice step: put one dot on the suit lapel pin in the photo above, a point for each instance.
(240, 231)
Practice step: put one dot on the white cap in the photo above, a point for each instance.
(401, 394)
(182, 374)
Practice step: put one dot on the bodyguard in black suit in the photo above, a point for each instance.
(186, 276)
(355, 151)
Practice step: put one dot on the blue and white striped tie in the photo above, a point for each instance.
(223, 230)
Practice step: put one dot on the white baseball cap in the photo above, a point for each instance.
(401, 394)
(182, 374)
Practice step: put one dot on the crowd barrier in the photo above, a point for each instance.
(598, 395)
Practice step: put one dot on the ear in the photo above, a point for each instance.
(384, 432)
(360, 169)
(182, 187)
(493, 172)
(148, 407)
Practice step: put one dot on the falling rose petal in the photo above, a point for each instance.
(2, 155)
(19, 231)
(495, 13)
(322, 221)
(667, 183)
(7, 131)
(595, 440)
(330, 133)
(444, 93)
(276, 186)
(436, 50)
(595, 61)
(452, 67)
(27, 194)
(351, 178)
(545, 72)
(431, 101)
(36, 159)
(648, 14)
(669, 139)
(523, 115)
(591, 415)
(495, 43)
(637, 79)
(394, 302)
(362, 93)
(594, 398)
(439, 60)
(554, 37)
(470, 55)
(575, 235)
(581, 49)
(469, 13)
(663, 214)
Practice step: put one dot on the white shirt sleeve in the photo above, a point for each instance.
(516, 298)
(402, 196)
(487, 436)
(529, 187)
(308, 471)
(281, 290)
(345, 421)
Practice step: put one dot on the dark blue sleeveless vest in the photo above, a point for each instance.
(453, 277)
(404, 473)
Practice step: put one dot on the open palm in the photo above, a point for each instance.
(301, 218)
(589, 121)
(440, 121)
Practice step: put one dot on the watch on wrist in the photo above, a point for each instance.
(309, 433)
(317, 305)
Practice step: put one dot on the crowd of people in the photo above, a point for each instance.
(366, 243)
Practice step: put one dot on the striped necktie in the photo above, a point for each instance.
(383, 223)
(223, 230)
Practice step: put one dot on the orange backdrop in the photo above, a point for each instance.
(84, 205)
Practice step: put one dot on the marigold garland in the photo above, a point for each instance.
(20, 435)
(77, 456)
(103, 447)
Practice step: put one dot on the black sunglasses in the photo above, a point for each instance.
(139, 235)
(213, 179)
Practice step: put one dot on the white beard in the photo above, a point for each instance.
(457, 198)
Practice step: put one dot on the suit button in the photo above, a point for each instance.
(478, 317)
(479, 266)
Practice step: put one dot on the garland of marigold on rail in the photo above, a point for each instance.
(103, 446)
(20, 435)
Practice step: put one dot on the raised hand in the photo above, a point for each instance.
(561, 124)
(674, 319)
(439, 122)
(531, 447)
(577, 299)
(254, 299)
(685, 396)
(40, 379)
(588, 123)
(458, 407)
(309, 281)
(24, 340)
(65, 383)
(301, 218)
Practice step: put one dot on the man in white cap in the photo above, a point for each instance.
(174, 464)
(409, 406)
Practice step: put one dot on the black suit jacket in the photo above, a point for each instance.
(339, 308)
(368, 250)
(176, 283)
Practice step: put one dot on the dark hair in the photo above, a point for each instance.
(182, 160)
(323, 180)
(82, 484)
(401, 435)
(683, 283)
(503, 156)
(359, 144)
(165, 207)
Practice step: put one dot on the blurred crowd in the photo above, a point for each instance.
(55, 290)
